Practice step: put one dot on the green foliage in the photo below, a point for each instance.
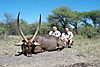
(26, 28)
(61, 17)
(8, 26)
(2, 28)
(64, 16)
(88, 30)
(44, 29)
(93, 15)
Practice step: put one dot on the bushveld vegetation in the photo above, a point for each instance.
(81, 23)
(85, 51)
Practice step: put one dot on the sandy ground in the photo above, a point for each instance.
(84, 53)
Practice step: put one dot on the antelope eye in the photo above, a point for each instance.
(36, 41)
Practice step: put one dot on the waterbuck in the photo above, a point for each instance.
(37, 44)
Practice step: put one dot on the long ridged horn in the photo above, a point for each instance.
(37, 29)
(20, 31)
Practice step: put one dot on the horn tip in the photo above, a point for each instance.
(19, 13)
(40, 15)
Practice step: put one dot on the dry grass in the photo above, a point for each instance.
(7, 46)
(86, 46)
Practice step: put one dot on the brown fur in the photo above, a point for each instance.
(46, 44)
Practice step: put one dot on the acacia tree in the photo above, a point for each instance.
(75, 20)
(93, 15)
(61, 15)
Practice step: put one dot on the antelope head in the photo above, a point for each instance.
(27, 41)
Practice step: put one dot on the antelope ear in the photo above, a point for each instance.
(36, 43)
